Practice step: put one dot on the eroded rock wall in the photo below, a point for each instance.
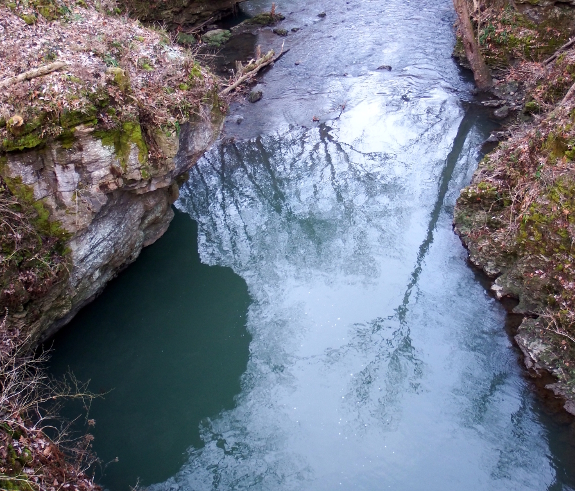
(112, 206)
(180, 12)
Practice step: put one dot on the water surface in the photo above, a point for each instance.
(377, 359)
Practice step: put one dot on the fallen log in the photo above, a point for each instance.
(30, 74)
(252, 69)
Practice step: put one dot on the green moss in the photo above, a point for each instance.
(120, 78)
(145, 64)
(122, 141)
(67, 139)
(25, 142)
(265, 19)
(195, 72)
(42, 222)
(531, 107)
(556, 146)
(70, 119)
(186, 39)
(24, 135)
(28, 18)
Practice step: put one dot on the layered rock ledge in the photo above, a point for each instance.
(93, 150)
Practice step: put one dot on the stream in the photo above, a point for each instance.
(310, 321)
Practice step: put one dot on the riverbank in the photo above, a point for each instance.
(517, 216)
(99, 117)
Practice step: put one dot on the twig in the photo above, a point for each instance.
(569, 94)
(199, 27)
(30, 74)
(567, 45)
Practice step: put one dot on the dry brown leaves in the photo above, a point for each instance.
(165, 83)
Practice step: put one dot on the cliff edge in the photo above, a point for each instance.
(90, 151)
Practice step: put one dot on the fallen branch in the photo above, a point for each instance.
(30, 74)
(554, 56)
(568, 95)
(252, 69)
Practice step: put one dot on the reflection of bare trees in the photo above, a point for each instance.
(305, 204)
(301, 197)
(393, 365)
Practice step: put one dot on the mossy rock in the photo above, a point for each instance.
(42, 222)
(265, 19)
(122, 140)
(23, 135)
(217, 37)
(25, 142)
(70, 119)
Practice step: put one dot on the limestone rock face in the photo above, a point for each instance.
(180, 12)
(110, 199)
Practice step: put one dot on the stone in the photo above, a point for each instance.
(217, 37)
(280, 32)
(502, 112)
(255, 96)
(321, 14)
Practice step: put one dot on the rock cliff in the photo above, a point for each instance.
(94, 149)
(110, 213)
(180, 12)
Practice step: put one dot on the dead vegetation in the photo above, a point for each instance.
(115, 71)
(506, 35)
(518, 215)
(29, 459)
(32, 255)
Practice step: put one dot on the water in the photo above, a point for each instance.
(165, 345)
(376, 358)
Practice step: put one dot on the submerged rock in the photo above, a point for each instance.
(255, 96)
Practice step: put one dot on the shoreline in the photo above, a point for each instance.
(515, 216)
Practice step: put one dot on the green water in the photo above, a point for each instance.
(166, 343)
